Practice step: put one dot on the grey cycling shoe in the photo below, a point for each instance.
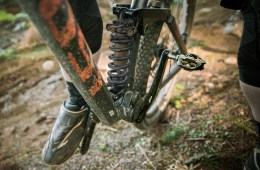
(66, 134)
(253, 162)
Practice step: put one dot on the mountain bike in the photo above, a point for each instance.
(148, 44)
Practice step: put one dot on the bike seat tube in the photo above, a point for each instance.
(135, 4)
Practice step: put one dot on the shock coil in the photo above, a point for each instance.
(122, 31)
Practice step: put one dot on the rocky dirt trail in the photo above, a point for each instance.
(208, 119)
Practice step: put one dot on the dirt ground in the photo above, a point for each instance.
(208, 118)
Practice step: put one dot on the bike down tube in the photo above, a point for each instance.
(171, 22)
(57, 25)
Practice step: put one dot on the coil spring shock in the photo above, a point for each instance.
(122, 31)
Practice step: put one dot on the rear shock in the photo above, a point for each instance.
(122, 32)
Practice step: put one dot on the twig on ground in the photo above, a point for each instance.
(196, 139)
(230, 145)
(115, 166)
(195, 158)
(107, 158)
(108, 128)
(159, 149)
(194, 166)
(189, 120)
(143, 152)
(247, 129)
(178, 117)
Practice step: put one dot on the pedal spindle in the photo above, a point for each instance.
(122, 31)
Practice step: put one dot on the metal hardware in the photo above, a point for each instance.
(189, 62)
(138, 4)
(157, 4)
(142, 15)
(130, 106)
(89, 130)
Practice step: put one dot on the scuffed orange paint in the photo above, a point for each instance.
(74, 63)
(47, 10)
(82, 46)
(97, 85)
(86, 73)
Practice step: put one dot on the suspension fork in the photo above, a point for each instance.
(58, 26)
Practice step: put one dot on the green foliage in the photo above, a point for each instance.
(35, 52)
(4, 16)
(103, 147)
(179, 86)
(196, 43)
(176, 2)
(174, 133)
(8, 53)
(245, 125)
(176, 102)
(197, 133)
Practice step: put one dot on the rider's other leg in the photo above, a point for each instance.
(252, 94)
(249, 71)
(69, 127)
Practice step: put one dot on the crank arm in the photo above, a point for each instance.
(150, 96)
(89, 129)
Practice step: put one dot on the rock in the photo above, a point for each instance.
(42, 132)
(206, 75)
(205, 10)
(231, 60)
(26, 128)
(30, 38)
(210, 85)
(50, 119)
(13, 130)
(10, 130)
(220, 85)
(242, 112)
(48, 65)
(40, 119)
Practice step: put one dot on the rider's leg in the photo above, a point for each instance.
(249, 71)
(69, 127)
(252, 95)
